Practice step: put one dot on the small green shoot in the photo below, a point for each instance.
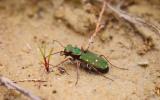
(46, 59)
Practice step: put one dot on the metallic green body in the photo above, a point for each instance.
(94, 59)
(88, 57)
(73, 50)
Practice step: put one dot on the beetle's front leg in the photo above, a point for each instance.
(66, 59)
(78, 65)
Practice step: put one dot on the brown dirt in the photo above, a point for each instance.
(25, 24)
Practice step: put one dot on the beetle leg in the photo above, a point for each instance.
(90, 68)
(101, 73)
(62, 70)
(78, 65)
(62, 62)
(112, 64)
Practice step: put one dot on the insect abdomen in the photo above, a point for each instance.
(94, 60)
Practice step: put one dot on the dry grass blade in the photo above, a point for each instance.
(46, 59)
(49, 56)
(9, 84)
(98, 26)
(42, 52)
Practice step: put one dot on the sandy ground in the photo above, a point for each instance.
(24, 25)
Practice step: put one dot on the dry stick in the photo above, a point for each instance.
(9, 84)
(98, 26)
(134, 20)
(30, 80)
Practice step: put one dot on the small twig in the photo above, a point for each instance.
(9, 84)
(133, 19)
(98, 26)
(30, 80)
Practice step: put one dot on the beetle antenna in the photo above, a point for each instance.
(112, 64)
(59, 43)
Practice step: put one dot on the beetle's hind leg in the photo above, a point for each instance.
(98, 72)
(112, 64)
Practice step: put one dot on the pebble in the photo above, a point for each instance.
(144, 63)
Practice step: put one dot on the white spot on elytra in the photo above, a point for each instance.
(96, 60)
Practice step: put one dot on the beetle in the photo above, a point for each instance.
(92, 60)
(85, 59)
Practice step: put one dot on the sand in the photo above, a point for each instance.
(25, 24)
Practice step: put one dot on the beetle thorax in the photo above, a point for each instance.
(74, 52)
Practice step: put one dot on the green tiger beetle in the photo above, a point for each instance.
(85, 59)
